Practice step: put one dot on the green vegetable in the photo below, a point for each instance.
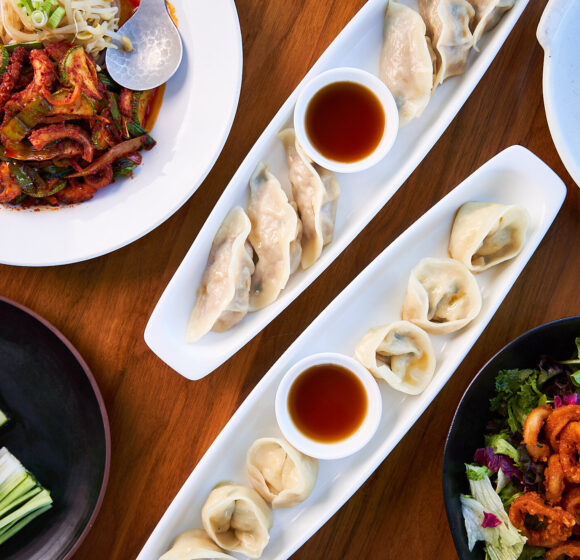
(29, 45)
(56, 17)
(533, 553)
(3, 418)
(508, 494)
(476, 472)
(517, 395)
(4, 59)
(24, 121)
(135, 130)
(22, 498)
(78, 72)
(501, 446)
(503, 542)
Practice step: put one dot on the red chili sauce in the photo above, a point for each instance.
(327, 403)
(345, 121)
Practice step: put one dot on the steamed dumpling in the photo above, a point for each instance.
(281, 474)
(237, 519)
(406, 64)
(448, 27)
(195, 544)
(316, 192)
(486, 233)
(223, 296)
(275, 237)
(442, 296)
(487, 15)
(400, 353)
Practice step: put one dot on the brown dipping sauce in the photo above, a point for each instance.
(345, 121)
(327, 403)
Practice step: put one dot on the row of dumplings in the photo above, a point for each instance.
(442, 295)
(255, 251)
(422, 49)
(238, 518)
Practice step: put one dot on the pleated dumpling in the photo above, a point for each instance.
(281, 474)
(487, 15)
(223, 295)
(407, 59)
(448, 24)
(442, 296)
(316, 193)
(400, 353)
(195, 544)
(237, 519)
(486, 233)
(275, 237)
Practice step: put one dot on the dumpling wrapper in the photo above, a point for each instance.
(195, 544)
(486, 233)
(487, 15)
(316, 193)
(238, 519)
(400, 353)
(281, 474)
(448, 26)
(275, 236)
(442, 296)
(407, 60)
(223, 295)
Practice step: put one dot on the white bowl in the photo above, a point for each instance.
(341, 448)
(367, 80)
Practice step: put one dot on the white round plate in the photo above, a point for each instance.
(558, 33)
(195, 118)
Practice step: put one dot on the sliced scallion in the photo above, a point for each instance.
(38, 18)
(56, 17)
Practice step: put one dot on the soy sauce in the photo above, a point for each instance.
(345, 121)
(327, 403)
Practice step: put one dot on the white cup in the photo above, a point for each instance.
(344, 447)
(376, 86)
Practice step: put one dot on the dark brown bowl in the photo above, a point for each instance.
(58, 429)
(467, 429)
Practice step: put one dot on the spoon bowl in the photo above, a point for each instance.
(157, 48)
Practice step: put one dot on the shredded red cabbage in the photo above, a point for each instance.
(493, 461)
(574, 398)
(557, 401)
(490, 520)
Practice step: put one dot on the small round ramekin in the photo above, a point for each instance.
(344, 447)
(366, 79)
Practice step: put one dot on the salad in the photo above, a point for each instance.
(524, 500)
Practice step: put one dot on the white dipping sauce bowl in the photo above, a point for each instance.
(341, 448)
(371, 82)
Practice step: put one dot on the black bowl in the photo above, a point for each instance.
(467, 429)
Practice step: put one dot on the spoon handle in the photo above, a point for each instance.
(152, 6)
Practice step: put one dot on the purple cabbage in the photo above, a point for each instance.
(490, 520)
(494, 461)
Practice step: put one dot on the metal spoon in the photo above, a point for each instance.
(157, 48)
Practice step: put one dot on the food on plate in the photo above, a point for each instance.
(487, 15)
(275, 236)
(22, 498)
(316, 193)
(531, 454)
(89, 23)
(224, 293)
(400, 353)
(486, 233)
(3, 418)
(237, 519)
(448, 26)
(195, 544)
(442, 296)
(281, 474)
(407, 60)
(66, 130)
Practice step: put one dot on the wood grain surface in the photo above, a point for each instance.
(162, 424)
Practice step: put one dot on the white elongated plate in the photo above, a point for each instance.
(195, 118)
(559, 33)
(515, 176)
(363, 194)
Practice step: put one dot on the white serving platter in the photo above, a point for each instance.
(363, 194)
(515, 176)
(196, 116)
(559, 33)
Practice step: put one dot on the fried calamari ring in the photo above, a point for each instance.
(567, 550)
(557, 421)
(554, 480)
(571, 502)
(551, 526)
(532, 427)
(570, 451)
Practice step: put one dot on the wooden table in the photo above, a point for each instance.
(161, 424)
